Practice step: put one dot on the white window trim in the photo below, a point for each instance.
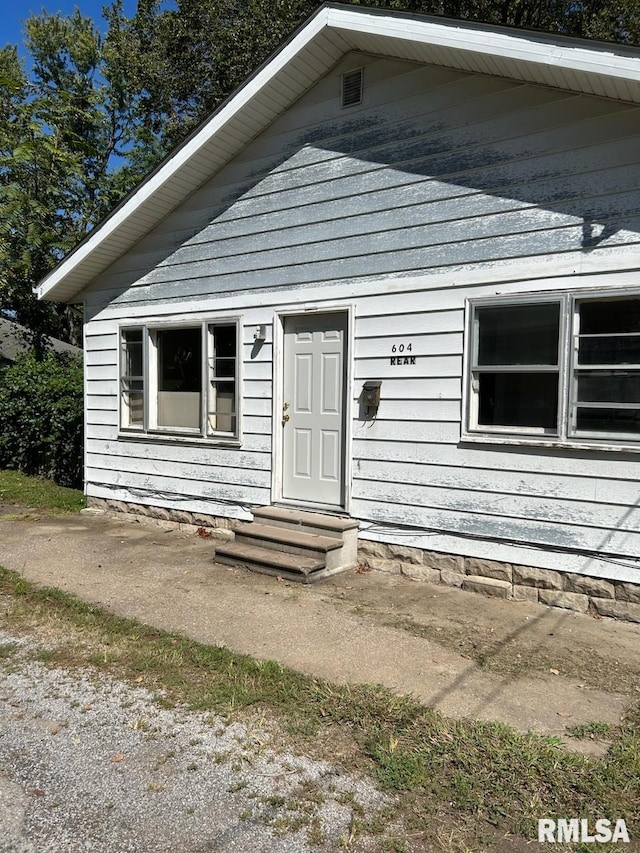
(565, 437)
(150, 431)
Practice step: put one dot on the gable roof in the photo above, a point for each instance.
(13, 342)
(593, 68)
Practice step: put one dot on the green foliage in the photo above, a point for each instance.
(59, 127)
(41, 418)
(596, 729)
(174, 65)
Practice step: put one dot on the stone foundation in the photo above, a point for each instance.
(216, 527)
(503, 580)
(569, 591)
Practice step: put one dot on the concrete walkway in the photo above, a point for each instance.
(344, 629)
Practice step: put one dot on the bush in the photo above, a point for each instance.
(41, 418)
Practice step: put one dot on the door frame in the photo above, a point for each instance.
(279, 317)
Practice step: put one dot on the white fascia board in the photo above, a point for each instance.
(185, 153)
(538, 48)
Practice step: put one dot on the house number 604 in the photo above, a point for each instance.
(400, 358)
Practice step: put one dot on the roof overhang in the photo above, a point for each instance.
(593, 68)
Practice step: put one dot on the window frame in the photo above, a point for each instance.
(567, 433)
(576, 368)
(150, 428)
(475, 370)
(124, 378)
(210, 379)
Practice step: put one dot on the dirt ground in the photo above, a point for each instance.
(503, 636)
(537, 668)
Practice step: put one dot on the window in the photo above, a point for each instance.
(565, 367)
(606, 380)
(180, 379)
(179, 371)
(132, 378)
(221, 415)
(516, 366)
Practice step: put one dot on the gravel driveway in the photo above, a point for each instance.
(88, 763)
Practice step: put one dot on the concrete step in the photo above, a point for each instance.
(295, 577)
(292, 566)
(289, 543)
(305, 522)
(285, 539)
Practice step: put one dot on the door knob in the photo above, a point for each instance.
(285, 418)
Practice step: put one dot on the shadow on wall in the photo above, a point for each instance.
(471, 170)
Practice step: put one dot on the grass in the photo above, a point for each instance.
(17, 488)
(477, 779)
(597, 729)
(7, 649)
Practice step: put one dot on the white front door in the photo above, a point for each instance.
(313, 416)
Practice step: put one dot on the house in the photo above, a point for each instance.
(393, 281)
(14, 342)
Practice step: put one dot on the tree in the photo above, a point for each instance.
(609, 20)
(59, 129)
(174, 63)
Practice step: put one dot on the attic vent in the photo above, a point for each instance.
(352, 88)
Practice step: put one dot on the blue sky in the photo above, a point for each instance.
(15, 12)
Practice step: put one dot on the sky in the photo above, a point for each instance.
(14, 12)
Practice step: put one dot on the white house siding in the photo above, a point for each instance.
(442, 185)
